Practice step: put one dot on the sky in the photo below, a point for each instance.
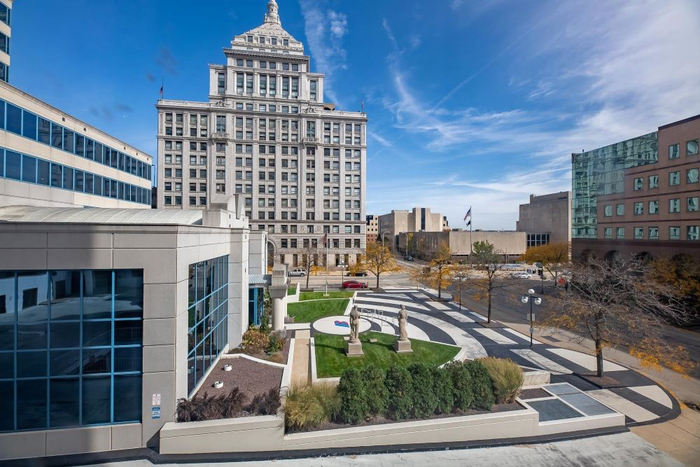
(470, 102)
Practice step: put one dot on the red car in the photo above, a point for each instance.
(354, 285)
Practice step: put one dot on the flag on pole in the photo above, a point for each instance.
(362, 105)
(469, 223)
(161, 87)
(325, 239)
(469, 213)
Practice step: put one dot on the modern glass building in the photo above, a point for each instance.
(602, 172)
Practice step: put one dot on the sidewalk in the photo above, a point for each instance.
(679, 438)
(300, 366)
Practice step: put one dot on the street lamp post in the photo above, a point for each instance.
(531, 297)
(342, 273)
(460, 279)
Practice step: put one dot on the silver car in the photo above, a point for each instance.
(297, 272)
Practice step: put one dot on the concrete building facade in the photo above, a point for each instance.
(416, 220)
(266, 133)
(109, 316)
(640, 197)
(49, 158)
(508, 243)
(546, 219)
(372, 228)
(5, 34)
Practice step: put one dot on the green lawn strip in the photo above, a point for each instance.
(319, 295)
(331, 359)
(308, 312)
(291, 290)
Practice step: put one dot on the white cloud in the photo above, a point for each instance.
(324, 29)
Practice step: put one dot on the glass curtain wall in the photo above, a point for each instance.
(70, 348)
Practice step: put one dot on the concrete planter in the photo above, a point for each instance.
(293, 298)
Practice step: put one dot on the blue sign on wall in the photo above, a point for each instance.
(155, 413)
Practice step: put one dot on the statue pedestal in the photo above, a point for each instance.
(354, 349)
(402, 346)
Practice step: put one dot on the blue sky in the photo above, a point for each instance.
(470, 102)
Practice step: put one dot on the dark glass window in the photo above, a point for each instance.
(64, 334)
(79, 181)
(7, 389)
(68, 141)
(2, 112)
(97, 333)
(128, 294)
(28, 169)
(56, 175)
(88, 183)
(29, 128)
(44, 131)
(98, 185)
(43, 172)
(65, 402)
(65, 288)
(127, 396)
(14, 119)
(56, 136)
(31, 396)
(80, 145)
(68, 178)
(89, 149)
(96, 400)
(13, 165)
(98, 152)
(4, 14)
(2, 162)
(97, 293)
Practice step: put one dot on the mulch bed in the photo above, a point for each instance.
(603, 382)
(383, 421)
(279, 357)
(252, 378)
(533, 393)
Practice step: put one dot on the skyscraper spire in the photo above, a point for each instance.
(272, 15)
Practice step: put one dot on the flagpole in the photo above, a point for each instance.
(326, 242)
(471, 245)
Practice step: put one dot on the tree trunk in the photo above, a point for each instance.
(598, 349)
(439, 286)
(488, 313)
(308, 275)
(377, 280)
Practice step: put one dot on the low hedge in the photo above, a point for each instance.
(421, 391)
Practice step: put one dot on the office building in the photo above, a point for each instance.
(416, 220)
(5, 34)
(372, 228)
(546, 219)
(510, 244)
(109, 316)
(639, 197)
(49, 158)
(266, 133)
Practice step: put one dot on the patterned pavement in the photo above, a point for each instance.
(640, 399)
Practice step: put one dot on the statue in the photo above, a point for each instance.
(354, 346)
(403, 344)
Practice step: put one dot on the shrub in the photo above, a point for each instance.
(506, 378)
(424, 400)
(267, 403)
(255, 340)
(481, 384)
(275, 343)
(375, 389)
(400, 393)
(462, 387)
(310, 406)
(354, 404)
(442, 385)
(206, 407)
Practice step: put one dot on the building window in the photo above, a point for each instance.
(653, 207)
(638, 184)
(692, 204)
(620, 232)
(207, 316)
(674, 178)
(674, 205)
(653, 233)
(608, 210)
(692, 232)
(638, 209)
(608, 232)
(620, 209)
(691, 147)
(674, 151)
(674, 233)
(692, 176)
(639, 233)
(653, 181)
(65, 377)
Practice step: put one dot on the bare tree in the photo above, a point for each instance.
(439, 272)
(619, 304)
(307, 256)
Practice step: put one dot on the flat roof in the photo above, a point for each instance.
(679, 122)
(75, 215)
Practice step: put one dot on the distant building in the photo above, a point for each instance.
(639, 197)
(546, 219)
(508, 243)
(372, 228)
(5, 33)
(416, 220)
(445, 224)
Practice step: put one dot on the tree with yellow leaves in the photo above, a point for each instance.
(439, 272)
(552, 256)
(618, 304)
(378, 260)
(491, 278)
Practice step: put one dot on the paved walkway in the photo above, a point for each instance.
(301, 370)
(679, 438)
(639, 398)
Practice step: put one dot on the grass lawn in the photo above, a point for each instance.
(319, 295)
(331, 359)
(292, 290)
(308, 312)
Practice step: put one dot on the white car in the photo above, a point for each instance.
(522, 275)
(297, 272)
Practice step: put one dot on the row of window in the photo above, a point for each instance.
(691, 149)
(334, 243)
(24, 123)
(674, 206)
(674, 179)
(70, 348)
(16, 166)
(5, 13)
(4, 43)
(692, 232)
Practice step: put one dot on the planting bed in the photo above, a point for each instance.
(252, 378)
(279, 357)
(534, 393)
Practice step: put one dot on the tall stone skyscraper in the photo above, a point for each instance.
(266, 133)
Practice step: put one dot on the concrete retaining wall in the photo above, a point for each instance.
(294, 298)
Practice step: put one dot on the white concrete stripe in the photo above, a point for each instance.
(477, 316)
(438, 306)
(370, 300)
(414, 332)
(654, 393)
(522, 336)
(586, 361)
(622, 405)
(459, 316)
(541, 361)
(495, 336)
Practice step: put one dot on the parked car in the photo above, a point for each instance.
(354, 285)
(297, 272)
(408, 258)
(522, 275)
(358, 274)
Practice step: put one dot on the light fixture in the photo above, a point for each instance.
(218, 384)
